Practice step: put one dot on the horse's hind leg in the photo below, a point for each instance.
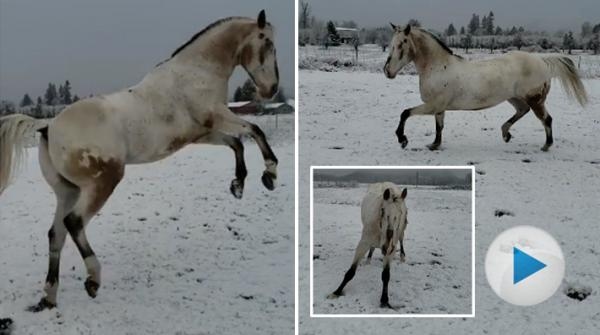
(96, 184)
(521, 108)
(232, 124)
(439, 125)
(537, 103)
(66, 194)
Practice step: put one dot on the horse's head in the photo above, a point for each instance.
(393, 219)
(400, 51)
(257, 56)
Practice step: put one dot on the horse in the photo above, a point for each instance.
(384, 218)
(83, 151)
(449, 82)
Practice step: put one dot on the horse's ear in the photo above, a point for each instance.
(393, 26)
(407, 29)
(386, 194)
(403, 195)
(262, 19)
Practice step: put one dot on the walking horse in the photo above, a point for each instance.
(183, 100)
(449, 82)
(384, 218)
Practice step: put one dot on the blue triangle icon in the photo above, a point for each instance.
(524, 265)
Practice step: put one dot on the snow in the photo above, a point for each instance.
(436, 278)
(179, 254)
(352, 122)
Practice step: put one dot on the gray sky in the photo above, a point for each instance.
(103, 46)
(549, 15)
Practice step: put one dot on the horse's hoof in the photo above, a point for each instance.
(6, 326)
(40, 306)
(433, 146)
(267, 179)
(545, 148)
(333, 296)
(403, 141)
(507, 137)
(385, 304)
(236, 188)
(91, 287)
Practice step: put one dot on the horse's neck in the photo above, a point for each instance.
(428, 54)
(217, 49)
(201, 71)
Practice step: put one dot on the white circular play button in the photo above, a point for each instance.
(524, 265)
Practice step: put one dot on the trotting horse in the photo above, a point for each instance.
(384, 218)
(448, 82)
(84, 150)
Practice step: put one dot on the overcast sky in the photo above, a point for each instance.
(103, 46)
(437, 14)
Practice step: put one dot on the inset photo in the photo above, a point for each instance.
(392, 241)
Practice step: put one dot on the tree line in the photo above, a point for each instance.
(53, 100)
(478, 32)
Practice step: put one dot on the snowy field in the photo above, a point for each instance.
(436, 277)
(179, 254)
(349, 118)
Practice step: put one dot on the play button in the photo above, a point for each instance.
(524, 265)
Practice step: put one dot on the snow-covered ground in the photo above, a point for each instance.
(349, 118)
(436, 277)
(179, 254)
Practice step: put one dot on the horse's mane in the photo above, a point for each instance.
(203, 31)
(439, 41)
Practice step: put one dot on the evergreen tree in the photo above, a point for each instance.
(518, 41)
(26, 101)
(332, 32)
(490, 24)
(474, 24)
(462, 30)
(569, 42)
(586, 29)
(245, 93)
(237, 95)
(451, 31)
(67, 99)
(513, 31)
(51, 96)
(414, 23)
(498, 31)
(484, 23)
(75, 98)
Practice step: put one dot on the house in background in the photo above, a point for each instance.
(257, 108)
(243, 107)
(347, 35)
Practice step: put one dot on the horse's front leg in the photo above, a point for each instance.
(218, 138)
(385, 279)
(424, 109)
(233, 125)
(360, 252)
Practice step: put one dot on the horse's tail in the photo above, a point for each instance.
(14, 131)
(564, 68)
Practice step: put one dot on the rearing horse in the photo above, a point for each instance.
(448, 82)
(84, 150)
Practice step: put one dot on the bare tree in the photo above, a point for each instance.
(304, 15)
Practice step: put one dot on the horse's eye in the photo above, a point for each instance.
(405, 40)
